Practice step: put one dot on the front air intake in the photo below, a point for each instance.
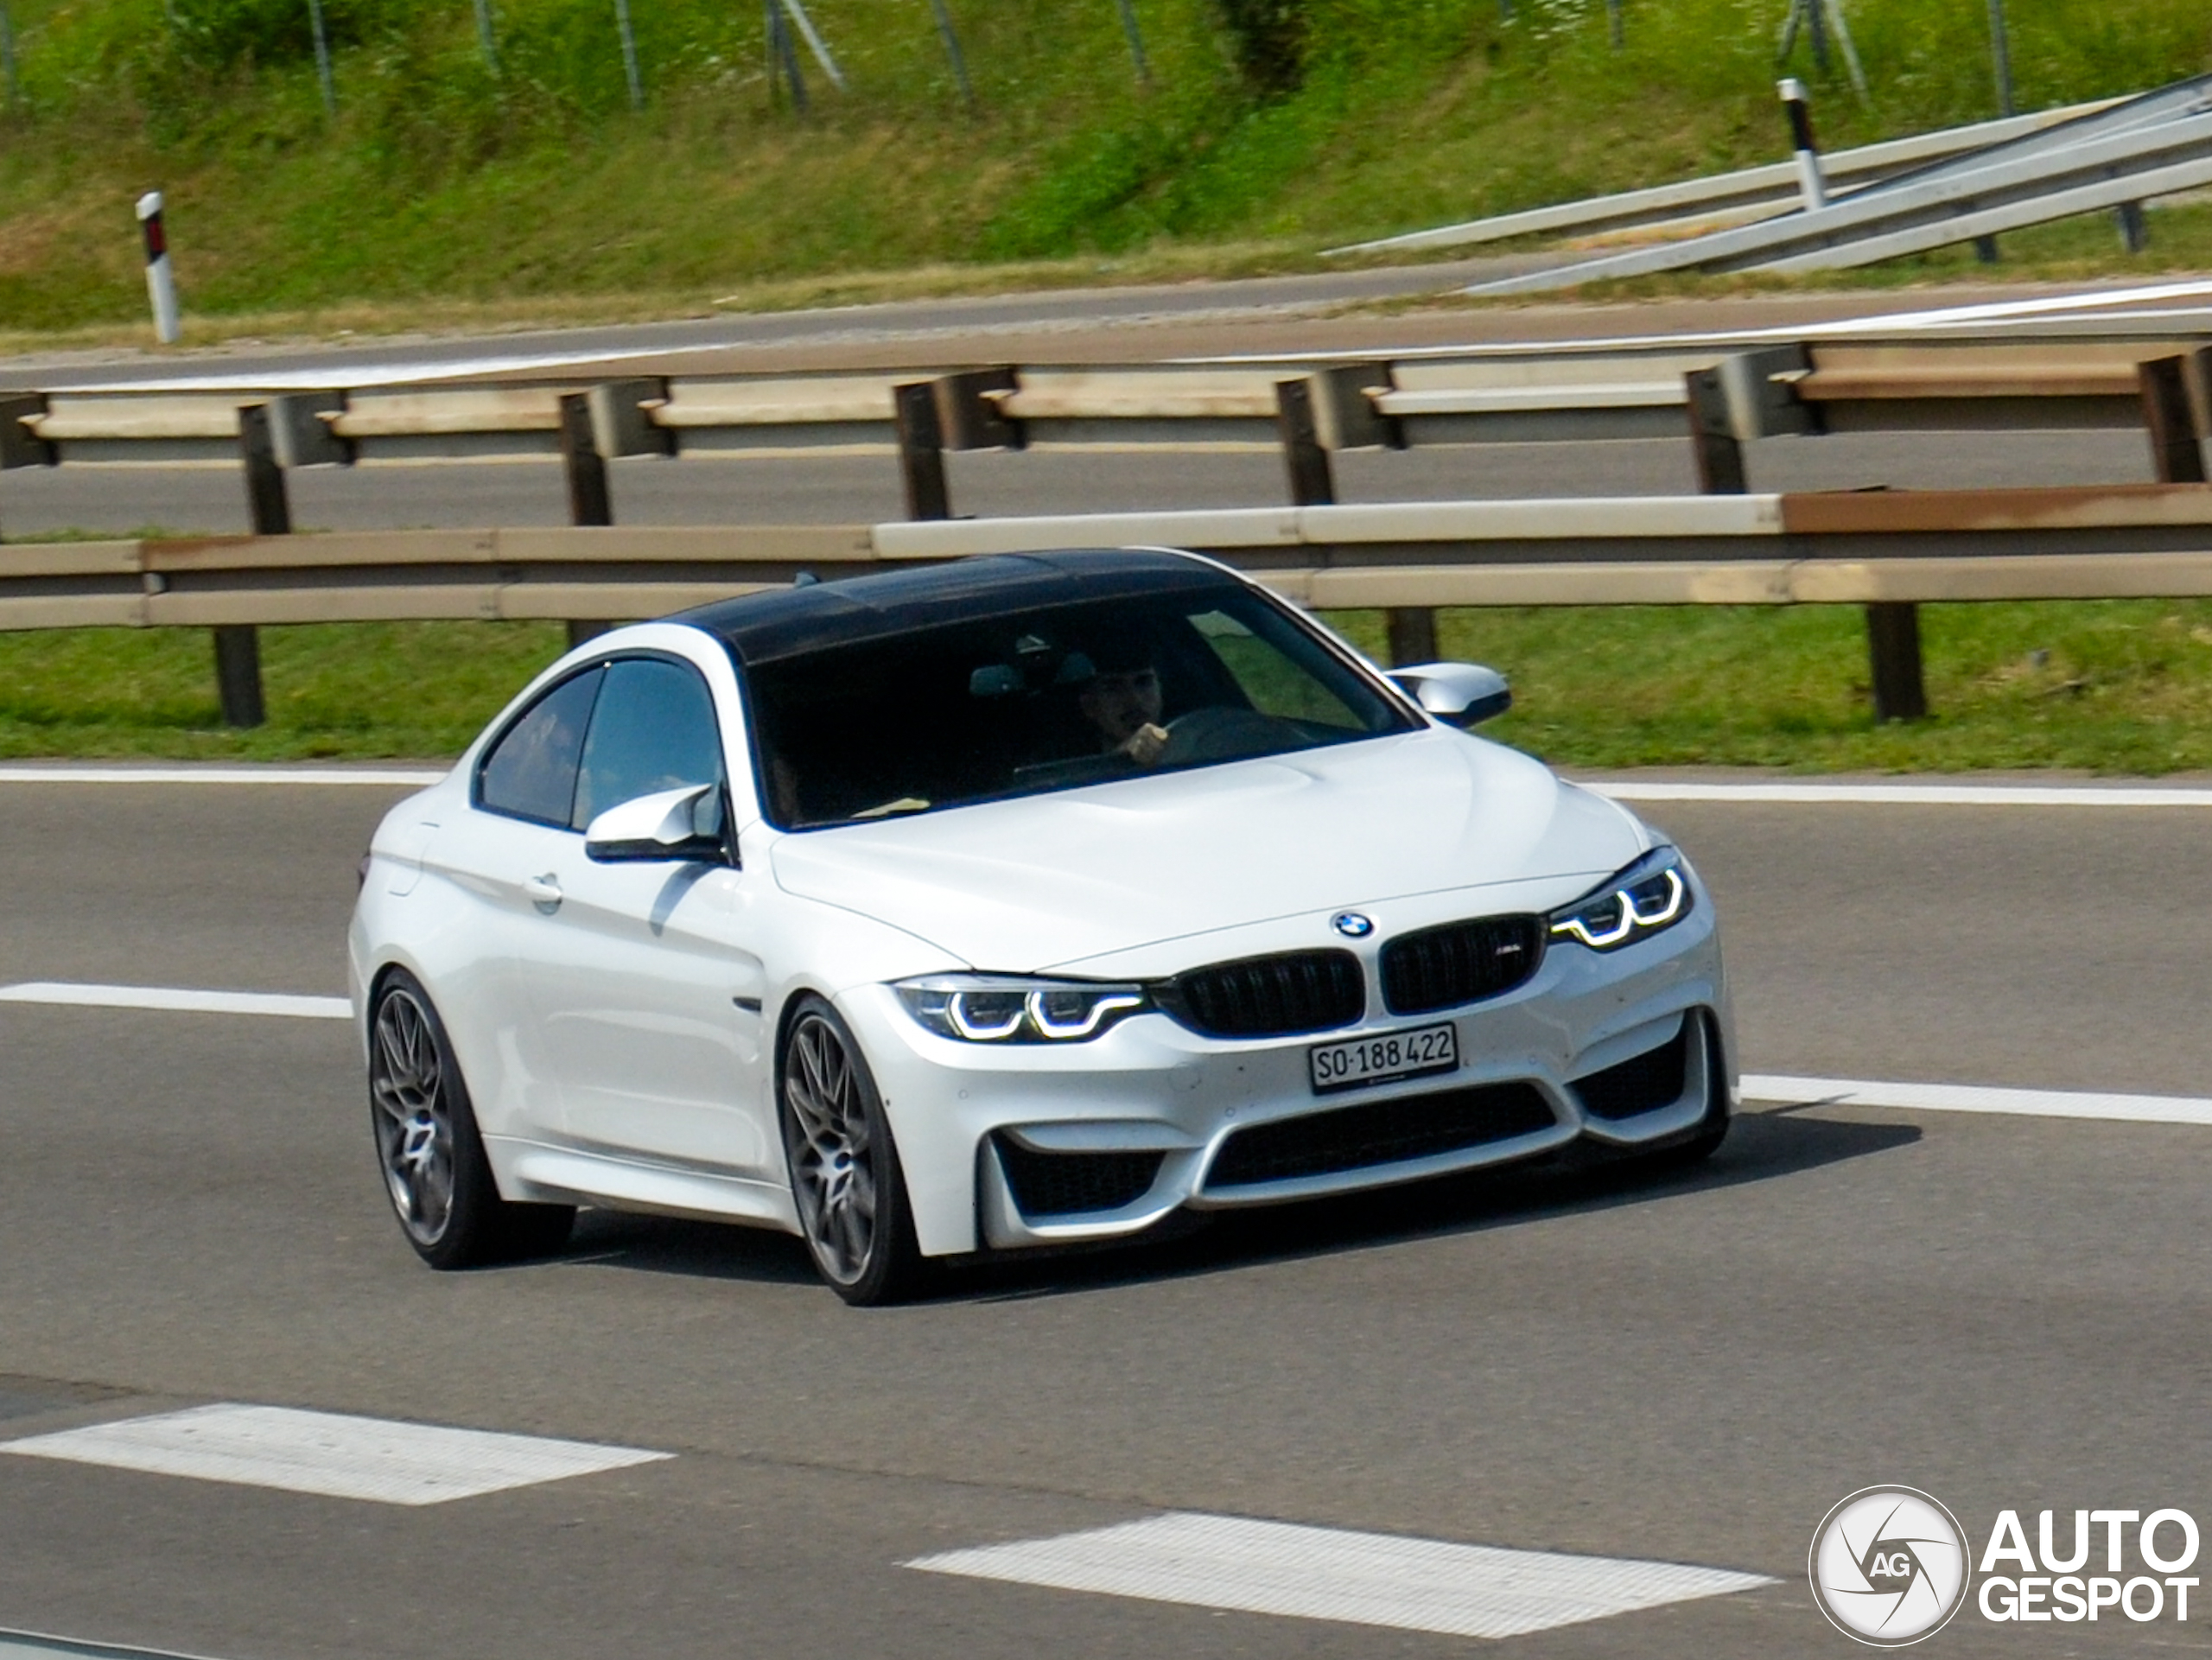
(1269, 996)
(1379, 1133)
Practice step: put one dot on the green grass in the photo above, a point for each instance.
(2117, 686)
(439, 186)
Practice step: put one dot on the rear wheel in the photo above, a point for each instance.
(428, 1146)
(846, 1181)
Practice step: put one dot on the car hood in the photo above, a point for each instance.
(1025, 885)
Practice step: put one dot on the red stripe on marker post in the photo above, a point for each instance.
(161, 280)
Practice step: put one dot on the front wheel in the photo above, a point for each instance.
(846, 1182)
(432, 1157)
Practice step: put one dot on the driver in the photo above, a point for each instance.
(1121, 700)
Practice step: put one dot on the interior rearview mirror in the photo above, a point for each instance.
(1461, 694)
(682, 825)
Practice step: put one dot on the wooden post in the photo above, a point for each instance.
(1893, 647)
(2177, 455)
(590, 502)
(268, 510)
(921, 451)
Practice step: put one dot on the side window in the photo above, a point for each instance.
(653, 730)
(530, 773)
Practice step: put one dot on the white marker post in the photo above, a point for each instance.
(1801, 135)
(160, 280)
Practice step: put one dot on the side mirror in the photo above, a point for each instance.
(681, 826)
(1458, 694)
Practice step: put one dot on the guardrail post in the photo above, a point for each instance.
(1761, 394)
(1311, 483)
(968, 412)
(1411, 632)
(921, 451)
(590, 502)
(621, 419)
(302, 435)
(1344, 407)
(269, 509)
(2177, 453)
(2134, 230)
(1893, 646)
(1714, 446)
(19, 446)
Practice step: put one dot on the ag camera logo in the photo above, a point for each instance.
(1889, 1566)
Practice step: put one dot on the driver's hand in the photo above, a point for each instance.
(1146, 745)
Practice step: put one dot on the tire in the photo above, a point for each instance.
(846, 1181)
(428, 1149)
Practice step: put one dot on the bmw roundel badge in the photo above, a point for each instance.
(1351, 925)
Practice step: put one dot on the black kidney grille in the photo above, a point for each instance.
(1379, 1132)
(1068, 1183)
(1270, 997)
(1641, 1083)
(1459, 963)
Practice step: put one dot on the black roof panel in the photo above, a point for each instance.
(847, 611)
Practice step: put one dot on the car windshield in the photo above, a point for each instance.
(1049, 699)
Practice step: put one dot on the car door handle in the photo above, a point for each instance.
(544, 892)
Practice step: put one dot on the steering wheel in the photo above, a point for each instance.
(1216, 732)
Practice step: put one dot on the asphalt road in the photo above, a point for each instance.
(2007, 1311)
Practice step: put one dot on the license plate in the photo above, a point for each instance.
(1380, 1059)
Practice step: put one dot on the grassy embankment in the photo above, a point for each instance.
(442, 191)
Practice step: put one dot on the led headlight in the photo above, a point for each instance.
(1650, 895)
(1001, 1008)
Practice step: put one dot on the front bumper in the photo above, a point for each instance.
(1036, 1144)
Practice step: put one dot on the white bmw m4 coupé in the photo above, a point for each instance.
(1003, 904)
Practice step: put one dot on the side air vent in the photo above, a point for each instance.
(1269, 996)
(1070, 1184)
(1459, 963)
(1641, 1083)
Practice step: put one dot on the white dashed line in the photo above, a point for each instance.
(1971, 1098)
(324, 1453)
(1904, 795)
(386, 778)
(69, 995)
(1367, 1578)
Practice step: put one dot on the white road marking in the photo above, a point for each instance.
(1974, 1098)
(386, 778)
(324, 1453)
(1368, 1579)
(38, 1645)
(171, 997)
(1906, 795)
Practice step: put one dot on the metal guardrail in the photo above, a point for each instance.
(1887, 553)
(1745, 193)
(2154, 146)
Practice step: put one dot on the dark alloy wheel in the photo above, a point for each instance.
(846, 1181)
(432, 1158)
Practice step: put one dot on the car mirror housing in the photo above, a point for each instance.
(684, 825)
(1458, 694)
